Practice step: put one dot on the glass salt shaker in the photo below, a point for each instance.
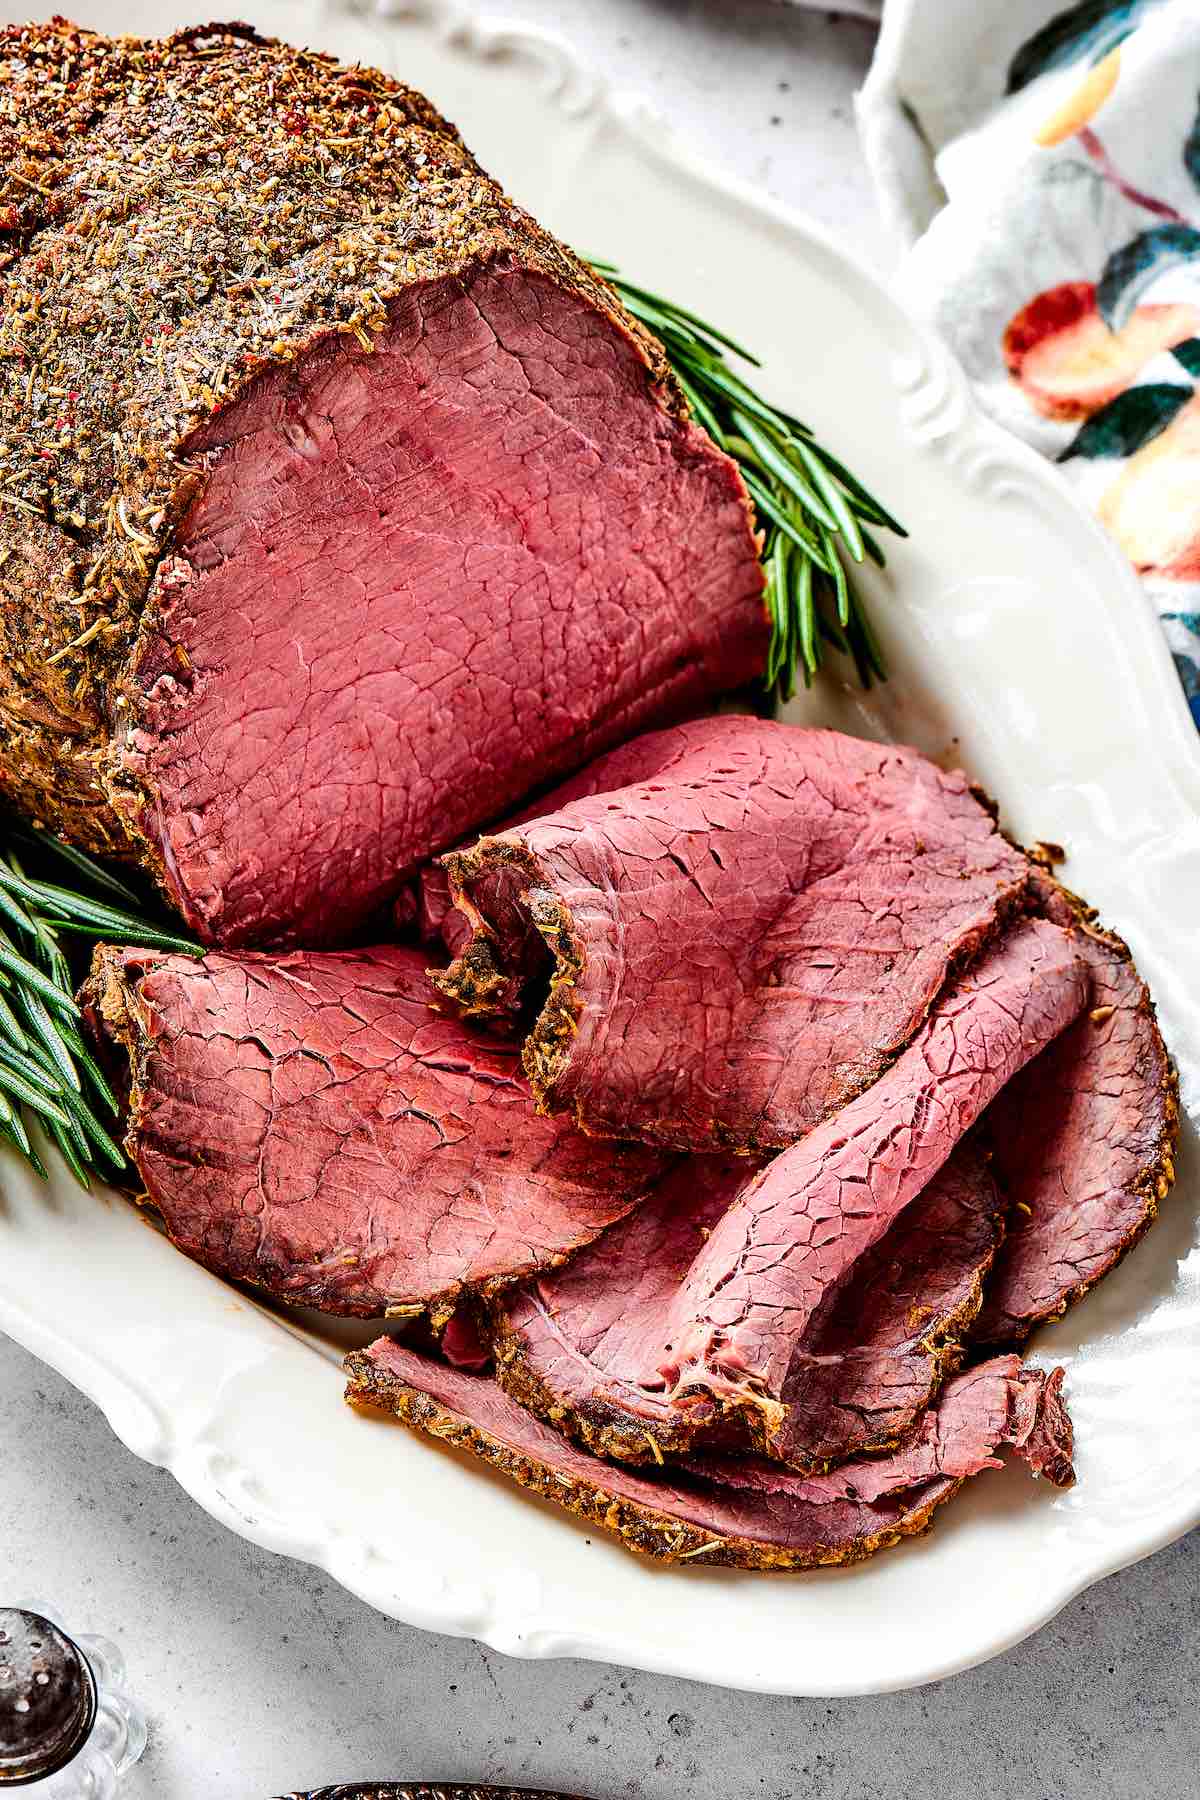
(67, 1729)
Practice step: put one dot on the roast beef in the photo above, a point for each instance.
(738, 1331)
(741, 940)
(776, 1262)
(582, 1349)
(344, 505)
(1085, 1140)
(431, 905)
(744, 1512)
(898, 1328)
(305, 1123)
(580, 1345)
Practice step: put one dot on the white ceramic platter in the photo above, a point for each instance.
(1020, 645)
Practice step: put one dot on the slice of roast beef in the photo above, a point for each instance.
(743, 1512)
(740, 941)
(736, 1332)
(773, 1269)
(985, 1406)
(306, 1124)
(581, 1345)
(583, 1349)
(899, 1326)
(345, 505)
(431, 905)
(1085, 1140)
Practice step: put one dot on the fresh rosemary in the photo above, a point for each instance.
(813, 511)
(46, 1069)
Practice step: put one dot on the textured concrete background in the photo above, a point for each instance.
(261, 1675)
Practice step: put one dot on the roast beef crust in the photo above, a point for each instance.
(475, 986)
(640, 1529)
(598, 1427)
(112, 998)
(177, 216)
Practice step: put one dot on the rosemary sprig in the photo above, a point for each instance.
(814, 513)
(45, 1067)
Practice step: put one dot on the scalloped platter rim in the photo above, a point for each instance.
(1021, 646)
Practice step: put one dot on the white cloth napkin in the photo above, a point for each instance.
(1042, 160)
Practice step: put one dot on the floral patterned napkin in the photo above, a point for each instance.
(1063, 146)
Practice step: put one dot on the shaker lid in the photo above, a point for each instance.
(47, 1698)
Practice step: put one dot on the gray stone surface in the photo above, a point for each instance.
(262, 1675)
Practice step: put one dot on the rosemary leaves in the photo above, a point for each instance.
(814, 513)
(46, 1069)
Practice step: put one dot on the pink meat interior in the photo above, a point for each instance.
(419, 581)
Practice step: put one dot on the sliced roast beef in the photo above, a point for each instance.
(583, 1349)
(898, 1328)
(305, 1123)
(1085, 1140)
(581, 1345)
(775, 1265)
(741, 940)
(345, 505)
(743, 1513)
(738, 1332)
(431, 904)
(989, 1404)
